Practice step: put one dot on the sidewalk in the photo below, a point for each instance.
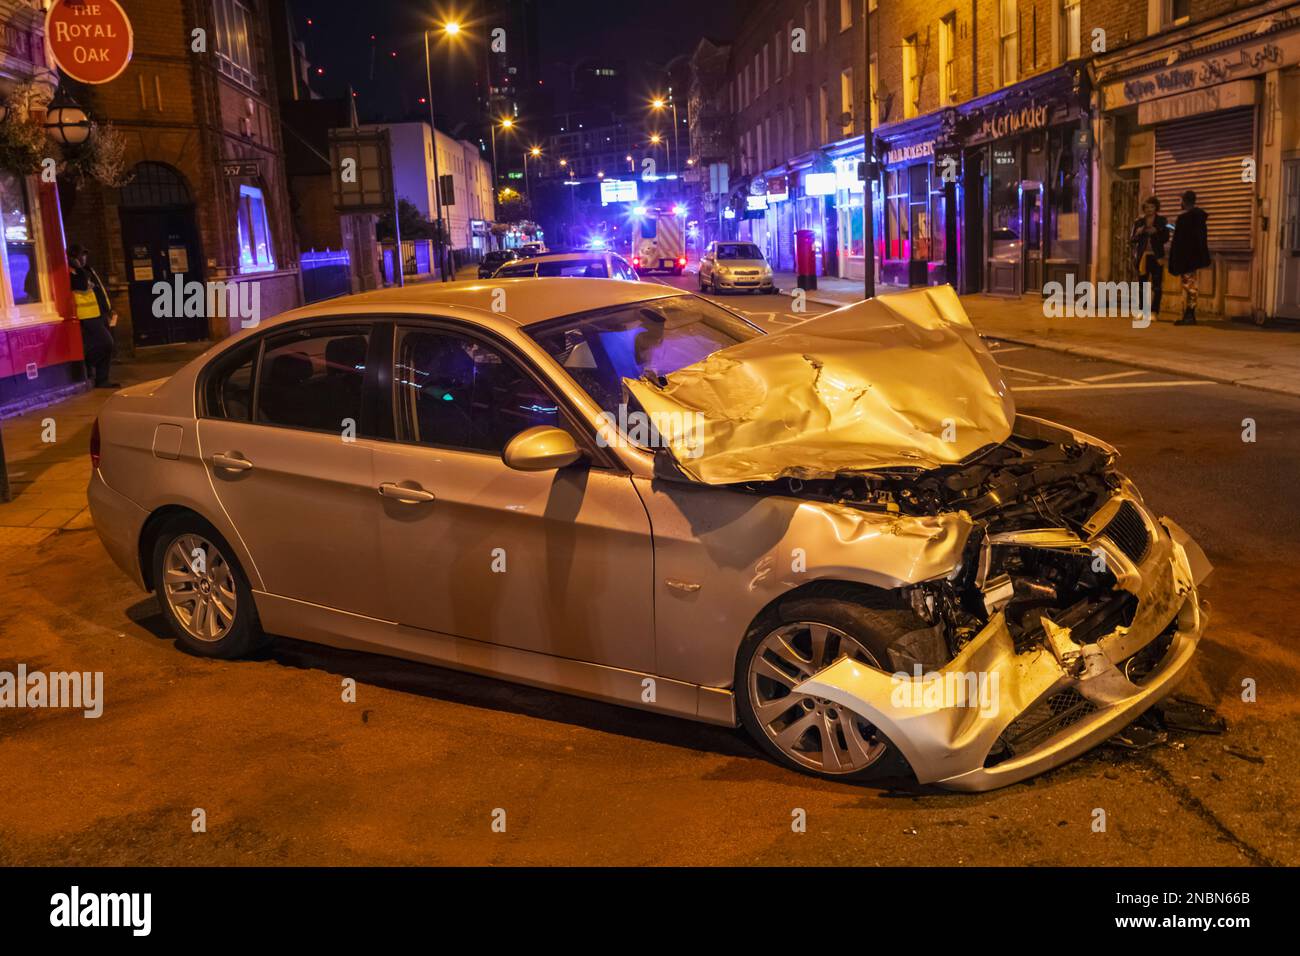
(1234, 353)
(47, 479)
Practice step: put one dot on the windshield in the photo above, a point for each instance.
(656, 338)
(739, 250)
(569, 268)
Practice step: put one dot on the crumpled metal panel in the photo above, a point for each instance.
(897, 381)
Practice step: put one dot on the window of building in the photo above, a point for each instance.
(457, 392)
(948, 59)
(821, 22)
(312, 379)
(824, 115)
(846, 101)
(232, 22)
(1009, 42)
(22, 253)
(911, 78)
(767, 68)
(255, 251)
(1071, 29)
(846, 14)
(778, 45)
(875, 87)
(789, 47)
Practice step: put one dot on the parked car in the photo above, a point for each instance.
(587, 265)
(529, 249)
(840, 535)
(735, 266)
(494, 260)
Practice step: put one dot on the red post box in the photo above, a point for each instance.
(805, 258)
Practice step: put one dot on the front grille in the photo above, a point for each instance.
(1129, 532)
(1044, 720)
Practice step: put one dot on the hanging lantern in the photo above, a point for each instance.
(67, 124)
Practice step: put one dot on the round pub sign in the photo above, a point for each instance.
(90, 40)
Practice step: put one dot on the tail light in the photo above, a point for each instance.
(636, 262)
(681, 261)
(94, 445)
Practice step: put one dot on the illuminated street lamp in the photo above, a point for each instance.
(536, 153)
(452, 29)
(67, 123)
(658, 104)
(507, 124)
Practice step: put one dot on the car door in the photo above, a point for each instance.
(293, 468)
(706, 262)
(558, 562)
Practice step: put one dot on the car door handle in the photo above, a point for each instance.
(411, 496)
(231, 461)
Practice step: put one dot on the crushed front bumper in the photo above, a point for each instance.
(1058, 699)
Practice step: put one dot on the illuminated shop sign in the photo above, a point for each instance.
(903, 154)
(1010, 122)
(819, 184)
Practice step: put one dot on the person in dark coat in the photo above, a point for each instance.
(1149, 239)
(1189, 252)
(96, 315)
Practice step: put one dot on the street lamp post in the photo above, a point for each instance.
(451, 28)
(659, 104)
(868, 208)
(535, 152)
(506, 124)
(655, 140)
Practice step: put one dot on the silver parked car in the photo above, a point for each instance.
(735, 267)
(841, 536)
(569, 265)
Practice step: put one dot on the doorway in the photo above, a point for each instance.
(1031, 218)
(160, 236)
(1288, 293)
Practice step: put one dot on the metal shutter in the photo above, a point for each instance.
(1204, 154)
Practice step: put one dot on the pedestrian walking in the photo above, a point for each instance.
(1149, 241)
(1189, 252)
(96, 315)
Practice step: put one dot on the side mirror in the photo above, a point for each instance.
(541, 448)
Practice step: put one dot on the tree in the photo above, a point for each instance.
(512, 206)
(414, 225)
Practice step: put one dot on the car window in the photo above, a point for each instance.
(574, 268)
(519, 270)
(312, 378)
(229, 390)
(622, 270)
(739, 250)
(454, 391)
(600, 349)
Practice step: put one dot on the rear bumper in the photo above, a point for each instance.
(118, 522)
(1061, 698)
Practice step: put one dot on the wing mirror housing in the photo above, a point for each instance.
(541, 448)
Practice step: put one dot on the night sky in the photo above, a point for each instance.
(388, 72)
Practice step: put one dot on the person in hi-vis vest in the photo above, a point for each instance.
(96, 315)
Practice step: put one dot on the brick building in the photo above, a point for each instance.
(1014, 139)
(208, 200)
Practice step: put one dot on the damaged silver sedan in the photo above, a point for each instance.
(840, 536)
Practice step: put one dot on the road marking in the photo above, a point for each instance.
(1111, 375)
(1030, 371)
(1086, 387)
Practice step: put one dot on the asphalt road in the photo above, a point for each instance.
(417, 769)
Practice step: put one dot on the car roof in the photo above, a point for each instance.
(526, 301)
(566, 256)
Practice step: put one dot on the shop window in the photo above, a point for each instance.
(895, 215)
(1063, 221)
(20, 240)
(948, 59)
(1008, 42)
(233, 22)
(255, 252)
(1004, 203)
(938, 218)
(911, 79)
(919, 210)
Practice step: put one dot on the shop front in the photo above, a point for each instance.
(849, 240)
(40, 338)
(917, 204)
(1025, 161)
(1189, 111)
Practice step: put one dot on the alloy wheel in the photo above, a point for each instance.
(199, 587)
(814, 732)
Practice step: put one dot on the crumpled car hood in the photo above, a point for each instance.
(897, 381)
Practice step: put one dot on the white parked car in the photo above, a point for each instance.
(735, 266)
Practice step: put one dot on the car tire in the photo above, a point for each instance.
(852, 622)
(714, 287)
(208, 604)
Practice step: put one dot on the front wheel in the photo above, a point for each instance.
(204, 594)
(811, 734)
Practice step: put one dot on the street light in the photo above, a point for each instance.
(507, 124)
(655, 140)
(535, 152)
(658, 104)
(451, 28)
